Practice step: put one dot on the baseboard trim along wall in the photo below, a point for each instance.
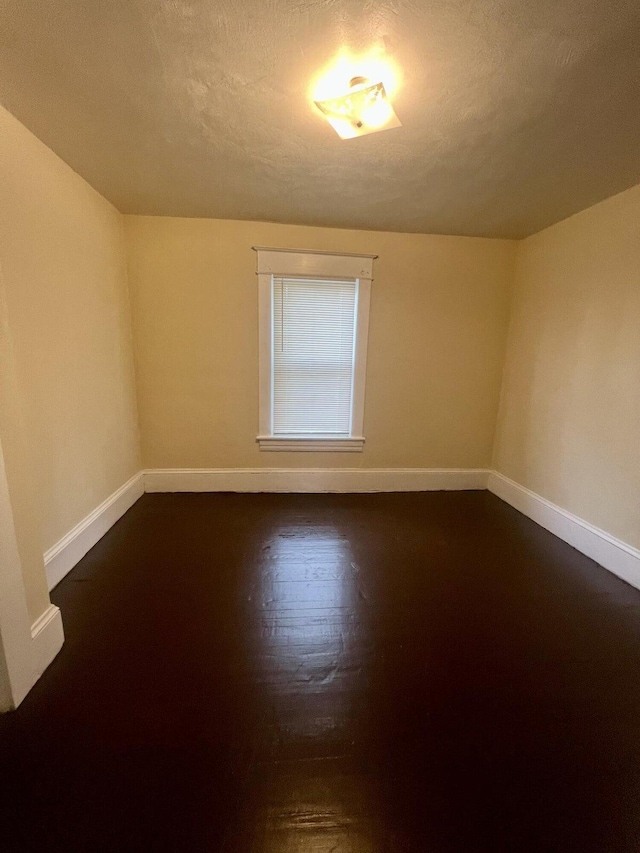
(615, 555)
(63, 556)
(303, 480)
(47, 637)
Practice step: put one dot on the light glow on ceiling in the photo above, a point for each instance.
(353, 93)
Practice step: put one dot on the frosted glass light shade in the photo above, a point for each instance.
(364, 109)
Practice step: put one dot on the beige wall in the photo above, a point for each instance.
(24, 507)
(64, 270)
(437, 331)
(569, 425)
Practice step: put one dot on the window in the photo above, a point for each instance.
(314, 316)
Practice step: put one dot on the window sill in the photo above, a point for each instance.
(332, 445)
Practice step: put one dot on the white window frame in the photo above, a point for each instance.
(302, 263)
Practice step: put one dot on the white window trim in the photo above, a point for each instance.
(301, 263)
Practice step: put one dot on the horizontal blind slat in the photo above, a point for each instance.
(313, 340)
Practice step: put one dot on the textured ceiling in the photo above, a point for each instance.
(515, 113)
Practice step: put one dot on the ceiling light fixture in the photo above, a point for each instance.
(364, 108)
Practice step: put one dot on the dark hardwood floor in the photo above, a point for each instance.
(348, 673)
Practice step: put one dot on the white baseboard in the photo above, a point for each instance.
(614, 554)
(47, 637)
(302, 480)
(63, 556)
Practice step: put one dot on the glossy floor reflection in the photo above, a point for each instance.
(308, 635)
(345, 673)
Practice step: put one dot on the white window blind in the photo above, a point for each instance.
(314, 328)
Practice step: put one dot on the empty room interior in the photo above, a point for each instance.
(320, 426)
